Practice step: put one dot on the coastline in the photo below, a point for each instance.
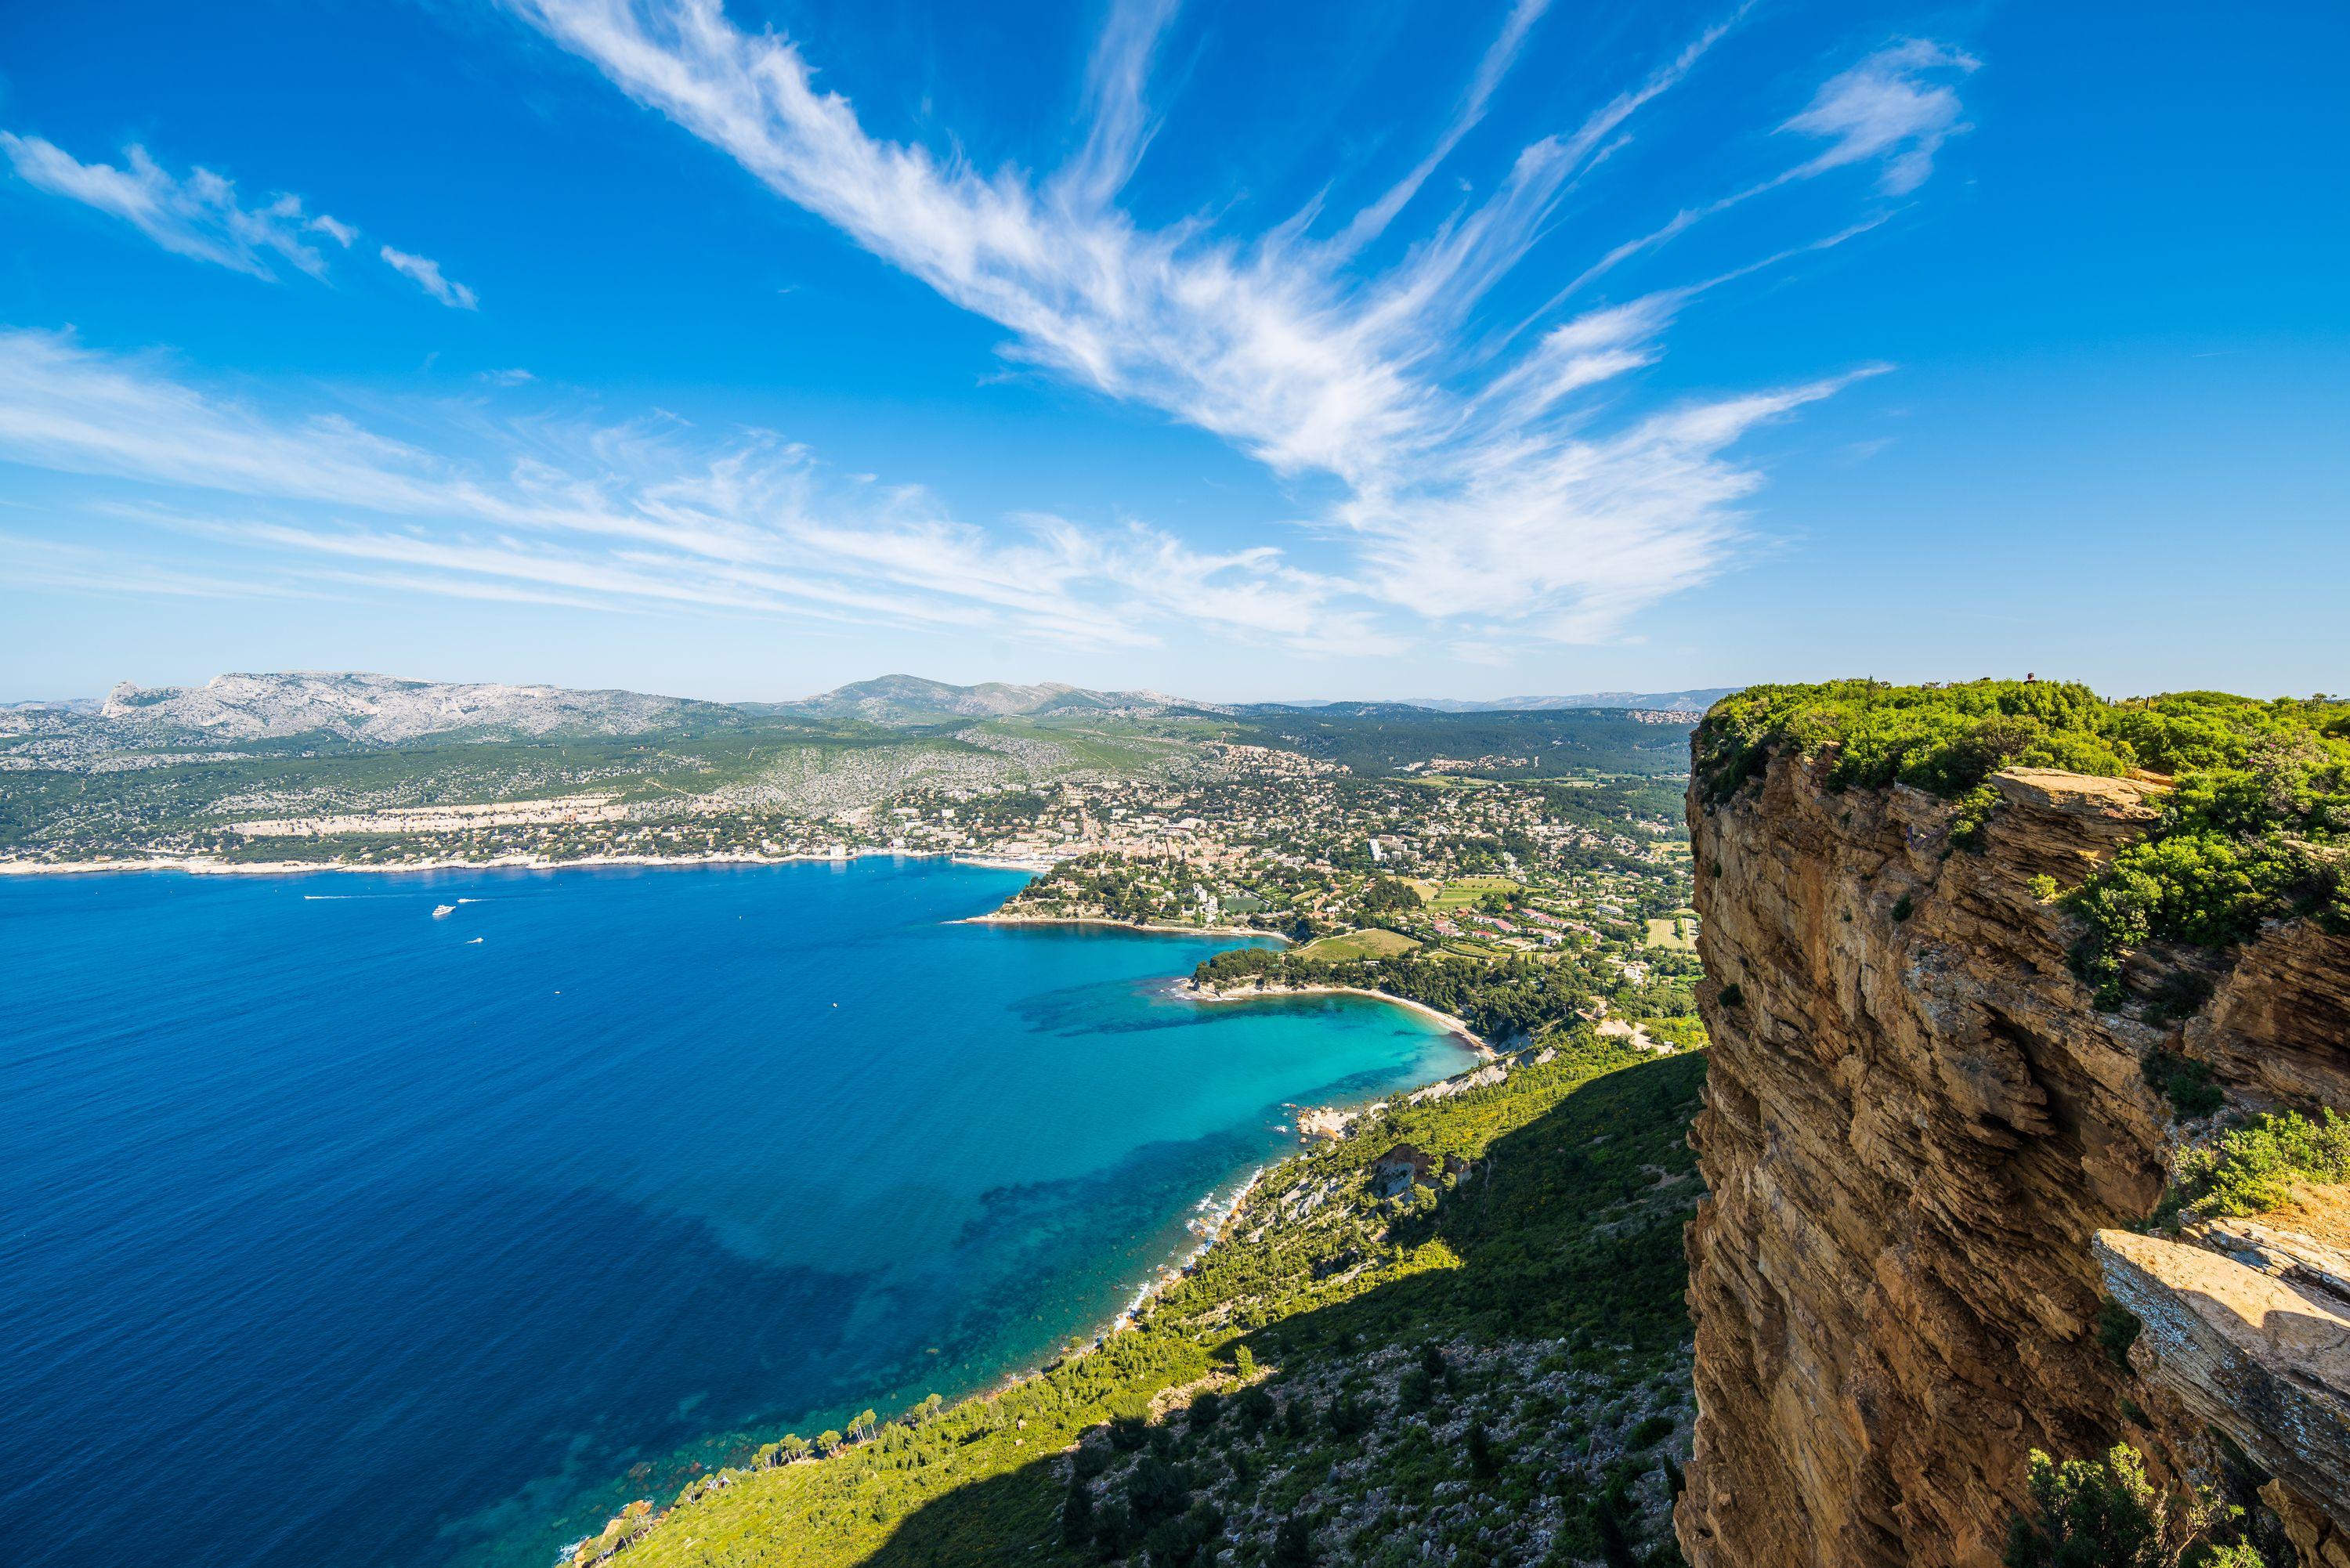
(1159, 1280)
(1225, 1215)
(1215, 1221)
(998, 918)
(1274, 993)
(1339, 1123)
(207, 865)
(1212, 1221)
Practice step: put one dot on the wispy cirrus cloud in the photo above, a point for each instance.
(1889, 110)
(1471, 483)
(1465, 480)
(201, 216)
(1498, 56)
(1117, 118)
(30, 562)
(1896, 109)
(425, 274)
(652, 515)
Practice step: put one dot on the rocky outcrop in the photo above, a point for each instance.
(2248, 1327)
(2280, 1021)
(1916, 1128)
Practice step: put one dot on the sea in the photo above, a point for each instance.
(428, 1218)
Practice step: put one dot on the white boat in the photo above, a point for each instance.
(442, 912)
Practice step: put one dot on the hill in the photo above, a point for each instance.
(912, 699)
(380, 710)
(1696, 700)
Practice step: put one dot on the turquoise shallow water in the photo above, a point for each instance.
(333, 1233)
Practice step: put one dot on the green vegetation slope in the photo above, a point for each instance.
(1460, 1330)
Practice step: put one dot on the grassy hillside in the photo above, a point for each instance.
(1483, 1353)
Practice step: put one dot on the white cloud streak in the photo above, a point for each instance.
(1274, 344)
(200, 215)
(426, 273)
(644, 516)
(1886, 110)
(1117, 117)
(1471, 490)
(1889, 110)
(1500, 55)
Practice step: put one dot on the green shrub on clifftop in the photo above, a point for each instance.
(2256, 827)
(2253, 1169)
(2263, 836)
(1945, 740)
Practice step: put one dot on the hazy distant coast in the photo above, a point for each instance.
(210, 865)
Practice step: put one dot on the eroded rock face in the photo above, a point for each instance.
(2281, 1019)
(2248, 1326)
(1915, 1122)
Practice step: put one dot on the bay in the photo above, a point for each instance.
(337, 1228)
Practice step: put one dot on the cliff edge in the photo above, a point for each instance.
(1931, 1158)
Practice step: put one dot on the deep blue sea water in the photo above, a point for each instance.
(328, 1233)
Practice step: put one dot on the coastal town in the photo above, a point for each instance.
(1515, 873)
(1511, 874)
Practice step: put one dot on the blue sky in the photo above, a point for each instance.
(1244, 351)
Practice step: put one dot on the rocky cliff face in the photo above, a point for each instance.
(1923, 1144)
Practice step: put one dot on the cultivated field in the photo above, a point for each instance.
(1365, 944)
(1677, 933)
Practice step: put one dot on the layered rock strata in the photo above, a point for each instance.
(1917, 1126)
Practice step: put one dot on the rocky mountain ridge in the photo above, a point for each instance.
(366, 709)
(1930, 1160)
(903, 699)
(380, 710)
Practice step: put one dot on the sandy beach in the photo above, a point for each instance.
(1274, 993)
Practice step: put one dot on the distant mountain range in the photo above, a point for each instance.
(370, 709)
(1692, 702)
(910, 699)
(381, 710)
